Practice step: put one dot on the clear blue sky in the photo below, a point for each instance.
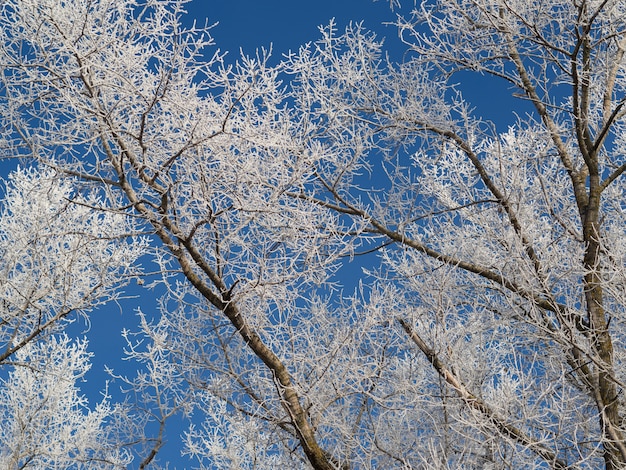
(284, 24)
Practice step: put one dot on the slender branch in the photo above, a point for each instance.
(475, 403)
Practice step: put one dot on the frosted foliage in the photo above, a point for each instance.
(59, 256)
(481, 321)
(230, 441)
(45, 421)
(502, 258)
(214, 148)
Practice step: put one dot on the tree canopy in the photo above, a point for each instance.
(484, 325)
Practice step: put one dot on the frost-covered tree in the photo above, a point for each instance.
(508, 260)
(44, 420)
(60, 260)
(60, 257)
(487, 327)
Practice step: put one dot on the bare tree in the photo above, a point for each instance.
(487, 328)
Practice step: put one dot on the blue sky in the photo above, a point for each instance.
(284, 24)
